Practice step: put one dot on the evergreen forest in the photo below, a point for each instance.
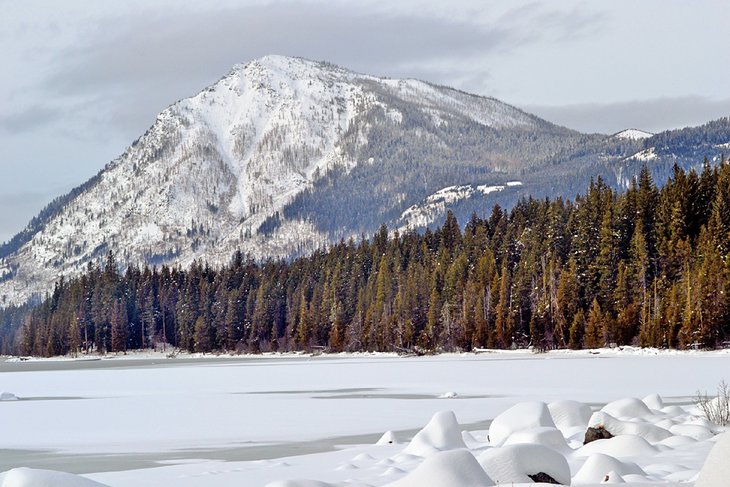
(648, 266)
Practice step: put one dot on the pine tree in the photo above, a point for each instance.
(503, 321)
(119, 327)
(593, 337)
(577, 329)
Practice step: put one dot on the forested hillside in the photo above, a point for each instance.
(648, 266)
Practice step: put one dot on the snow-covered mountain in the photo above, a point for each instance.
(284, 155)
(212, 168)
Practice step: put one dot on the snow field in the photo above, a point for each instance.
(541, 406)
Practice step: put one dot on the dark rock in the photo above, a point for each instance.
(599, 433)
(542, 477)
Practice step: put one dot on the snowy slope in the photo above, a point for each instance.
(201, 181)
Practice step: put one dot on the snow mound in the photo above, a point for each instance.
(673, 411)
(448, 395)
(650, 432)
(441, 433)
(622, 446)
(598, 466)
(515, 464)
(8, 396)
(677, 441)
(654, 401)
(521, 416)
(716, 470)
(696, 431)
(627, 408)
(456, 468)
(545, 436)
(569, 414)
(31, 477)
(388, 438)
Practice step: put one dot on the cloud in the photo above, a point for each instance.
(134, 66)
(29, 119)
(652, 115)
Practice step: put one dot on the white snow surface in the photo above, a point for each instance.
(213, 167)
(238, 421)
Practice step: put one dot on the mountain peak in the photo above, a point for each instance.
(632, 134)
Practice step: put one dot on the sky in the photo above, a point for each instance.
(82, 79)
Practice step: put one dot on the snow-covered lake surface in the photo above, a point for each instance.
(249, 421)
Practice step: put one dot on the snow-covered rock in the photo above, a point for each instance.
(521, 416)
(545, 436)
(388, 438)
(650, 432)
(8, 396)
(515, 463)
(457, 468)
(441, 433)
(598, 466)
(31, 477)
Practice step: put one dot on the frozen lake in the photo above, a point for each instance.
(136, 414)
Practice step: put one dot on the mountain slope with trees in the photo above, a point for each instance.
(648, 266)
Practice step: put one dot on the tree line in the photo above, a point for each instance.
(648, 266)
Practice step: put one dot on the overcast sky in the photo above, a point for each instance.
(83, 79)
